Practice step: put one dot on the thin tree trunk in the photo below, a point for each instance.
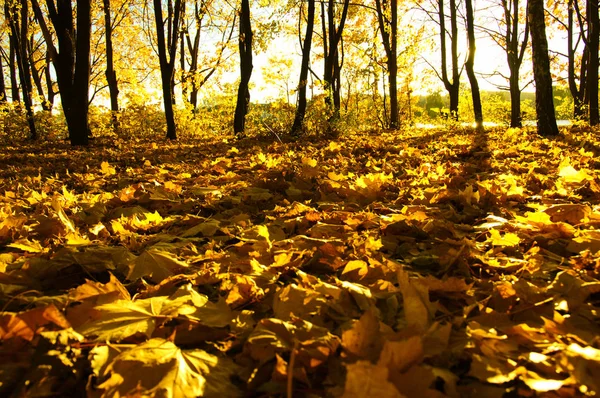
(544, 101)
(301, 107)
(577, 91)
(35, 74)
(452, 87)
(20, 35)
(388, 29)
(167, 67)
(49, 83)
(469, 65)
(13, 69)
(245, 47)
(592, 75)
(3, 99)
(111, 75)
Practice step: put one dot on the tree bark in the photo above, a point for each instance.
(452, 87)
(515, 52)
(469, 66)
(167, 66)
(301, 107)
(15, 96)
(19, 34)
(592, 72)
(111, 75)
(577, 91)
(389, 36)
(544, 101)
(245, 47)
(3, 99)
(49, 82)
(332, 37)
(71, 61)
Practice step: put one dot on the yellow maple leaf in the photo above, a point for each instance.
(508, 239)
(309, 162)
(107, 169)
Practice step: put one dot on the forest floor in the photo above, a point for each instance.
(418, 264)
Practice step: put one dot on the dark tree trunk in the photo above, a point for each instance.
(35, 74)
(301, 107)
(167, 66)
(245, 47)
(544, 101)
(2, 84)
(389, 35)
(452, 87)
(49, 83)
(332, 37)
(515, 53)
(578, 92)
(71, 61)
(469, 66)
(19, 34)
(111, 75)
(15, 96)
(193, 48)
(592, 74)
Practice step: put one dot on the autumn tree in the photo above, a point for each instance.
(17, 14)
(576, 36)
(15, 96)
(332, 40)
(71, 60)
(40, 70)
(245, 48)
(110, 73)
(544, 100)
(2, 83)
(207, 18)
(470, 65)
(387, 17)
(451, 80)
(592, 63)
(166, 56)
(303, 81)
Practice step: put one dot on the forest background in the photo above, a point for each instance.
(198, 67)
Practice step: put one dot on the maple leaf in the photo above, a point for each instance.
(156, 265)
(159, 368)
(418, 310)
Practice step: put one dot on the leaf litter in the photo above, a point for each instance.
(423, 263)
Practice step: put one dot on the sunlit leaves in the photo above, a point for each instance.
(159, 368)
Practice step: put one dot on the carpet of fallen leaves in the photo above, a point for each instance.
(417, 264)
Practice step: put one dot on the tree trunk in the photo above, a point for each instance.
(301, 107)
(577, 91)
(592, 74)
(389, 35)
(35, 74)
(515, 52)
(544, 101)
(2, 84)
(15, 96)
(111, 75)
(515, 102)
(49, 83)
(19, 34)
(452, 87)
(71, 61)
(469, 65)
(332, 36)
(245, 47)
(167, 67)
